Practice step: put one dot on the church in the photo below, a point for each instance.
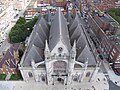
(58, 52)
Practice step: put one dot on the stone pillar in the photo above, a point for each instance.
(49, 73)
(94, 74)
(34, 71)
(84, 72)
(48, 64)
(79, 78)
(65, 83)
(39, 78)
(22, 72)
(53, 80)
(71, 63)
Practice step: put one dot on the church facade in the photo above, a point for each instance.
(59, 53)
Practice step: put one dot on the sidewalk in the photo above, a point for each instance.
(113, 77)
(8, 77)
(100, 84)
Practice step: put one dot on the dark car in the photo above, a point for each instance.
(101, 57)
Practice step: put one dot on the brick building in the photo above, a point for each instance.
(60, 3)
(105, 5)
(44, 2)
(109, 43)
(9, 60)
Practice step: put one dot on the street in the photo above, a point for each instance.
(104, 66)
(4, 46)
(112, 86)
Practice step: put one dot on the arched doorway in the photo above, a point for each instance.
(59, 72)
(58, 80)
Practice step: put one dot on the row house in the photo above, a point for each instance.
(110, 50)
(9, 60)
(104, 7)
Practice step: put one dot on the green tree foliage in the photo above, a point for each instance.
(2, 76)
(115, 13)
(21, 20)
(16, 77)
(21, 30)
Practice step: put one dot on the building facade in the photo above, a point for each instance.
(44, 2)
(108, 39)
(9, 60)
(60, 54)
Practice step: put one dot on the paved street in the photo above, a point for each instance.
(4, 46)
(21, 85)
(112, 86)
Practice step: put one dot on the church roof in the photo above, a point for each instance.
(59, 30)
(74, 23)
(76, 33)
(35, 53)
(86, 54)
(68, 16)
(36, 42)
(41, 30)
(82, 47)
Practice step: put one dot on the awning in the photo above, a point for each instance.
(118, 70)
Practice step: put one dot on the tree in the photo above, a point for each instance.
(115, 13)
(21, 30)
(21, 20)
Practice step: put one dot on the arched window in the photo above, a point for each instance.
(87, 74)
(75, 77)
(30, 74)
(43, 78)
(59, 67)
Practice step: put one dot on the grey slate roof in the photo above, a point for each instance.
(74, 24)
(59, 30)
(44, 25)
(68, 16)
(36, 42)
(80, 45)
(35, 54)
(86, 54)
(41, 30)
(76, 33)
(83, 50)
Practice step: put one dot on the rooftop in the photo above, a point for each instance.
(109, 19)
(60, 31)
(115, 39)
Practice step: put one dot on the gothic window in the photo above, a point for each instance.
(59, 66)
(75, 78)
(77, 66)
(60, 49)
(60, 55)
(30, 74)
(43, 78)
(87, 74)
